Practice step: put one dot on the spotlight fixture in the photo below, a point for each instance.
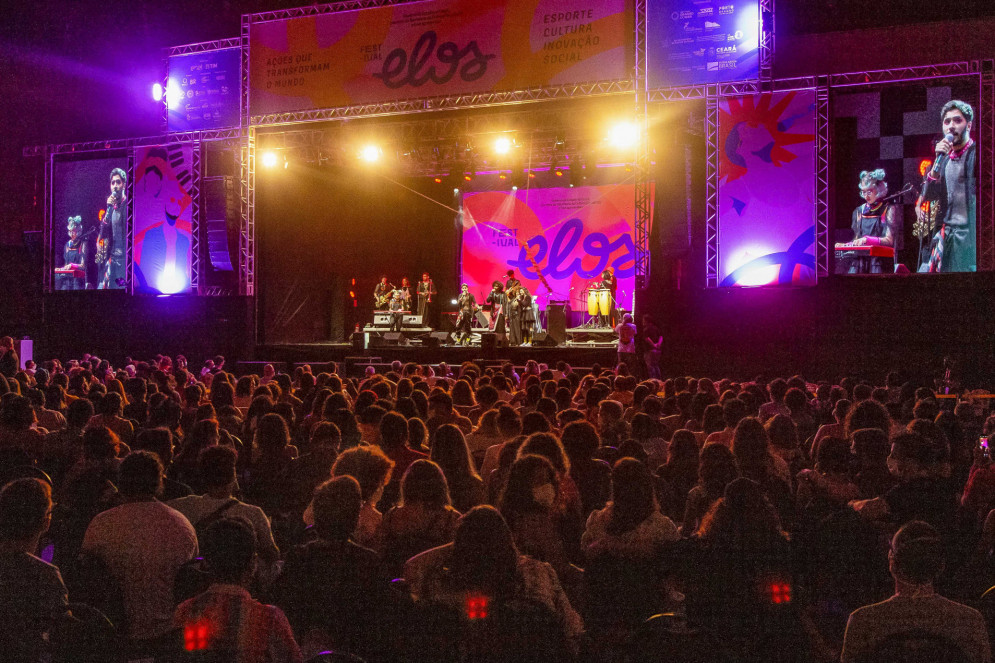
(370, 153)
(502, 145)
(623, 135)
(157, 92)
(269, 159)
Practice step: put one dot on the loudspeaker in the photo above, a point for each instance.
(543, 340)
(488, 341)
(220, 206)
(394, 338)
(556, 323)
(435, 339)
(358, 341)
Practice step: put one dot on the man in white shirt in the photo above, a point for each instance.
(143, 542)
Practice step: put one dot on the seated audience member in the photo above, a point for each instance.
(372, 469)
(679, 473)
(393, 439)
(830, 480)
(143, 543)
(916, 612)
(225, 619)
(591, 476)
(160, 442)
(751, 448)
(871, 447)
(310, 470)
(32, 596)
(450, 452)
(109, 415)
(423, 519)
(217, 475)
(333, 590)
(483, 559)
(631, 525)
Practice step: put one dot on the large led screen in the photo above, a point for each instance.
(204, 90)
(559, 241)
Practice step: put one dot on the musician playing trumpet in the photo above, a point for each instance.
(873, 222)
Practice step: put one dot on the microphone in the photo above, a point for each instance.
(941, 159)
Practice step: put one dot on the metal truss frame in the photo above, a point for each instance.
(643, 200)
(215, 45)
(712, 190)
(196, 168)
(986, 166)
(127, 143)
(451, 102)
(48, 280)
(130, 226)
(329, 8)
(766, 46)
(823, 157)
(247, 231)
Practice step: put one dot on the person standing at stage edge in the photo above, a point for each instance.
(954, 186)
(627, 343)
(425, 291)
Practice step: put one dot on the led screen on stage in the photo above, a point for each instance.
(438, 47)
(569, 236)
(204, 90)
(766, 206)
(89, 245)
(889, 133)
(164, 181)
(692, 42)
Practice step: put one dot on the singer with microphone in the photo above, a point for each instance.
(952, 185)
(112, 241)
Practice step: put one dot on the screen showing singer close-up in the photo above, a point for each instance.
(906, 169)
(90, 223)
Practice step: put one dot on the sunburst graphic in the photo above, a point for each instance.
(748, 114)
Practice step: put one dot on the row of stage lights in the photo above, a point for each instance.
(621, 136)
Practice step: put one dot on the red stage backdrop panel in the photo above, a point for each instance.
(163, 215)
(441, 47)
(570, 235)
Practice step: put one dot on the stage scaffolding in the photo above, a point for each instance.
(290, 130)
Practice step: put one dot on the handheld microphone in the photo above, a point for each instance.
(941, 159)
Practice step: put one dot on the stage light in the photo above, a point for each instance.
(558, 172)
(157, 92)
(453, 302)
(924, 166)
(174, 94)
(514, 187)
(623, 135)
(171, 281)
(370, 153)
(438, 180)
(468, 177)
(502, 145)
(456, 191)
(269, 159)
(502, 176)
(532, 176)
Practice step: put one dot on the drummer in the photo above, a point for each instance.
(609, 283)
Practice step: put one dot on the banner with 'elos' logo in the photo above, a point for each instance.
(433, 48)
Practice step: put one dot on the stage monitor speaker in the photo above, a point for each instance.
(394, 338)
(358, 341)
(435, 339)
(488, 341)
(543, 340)
(556, 323)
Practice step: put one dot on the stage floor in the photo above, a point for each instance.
(291, 354)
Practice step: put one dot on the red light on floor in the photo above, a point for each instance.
(196, 635)
(924, 166)
(438, 180)
(476, 607)
(780, 593)
(532, 176)
(559, 173)
(502, 176)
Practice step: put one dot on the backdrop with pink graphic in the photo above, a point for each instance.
(565, 237)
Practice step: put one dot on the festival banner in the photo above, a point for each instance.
(437, 47)
(558, 241)
(163, 205)
(766, 213)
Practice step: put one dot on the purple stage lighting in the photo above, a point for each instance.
(157, 91)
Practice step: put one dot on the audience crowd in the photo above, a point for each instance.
(488, 513)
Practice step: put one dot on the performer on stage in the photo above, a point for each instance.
(112, 239)
(76, 255)
(873, 222)
(510, 281)
(466, 304)
(396, 308)
(528, 315)
(405, 291)
(954, 188)
(426, 289)
(382, 294)
(514, 315)
(499, 309)
(609, 283)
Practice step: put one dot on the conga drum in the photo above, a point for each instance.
(605, 302)
(592, 301)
